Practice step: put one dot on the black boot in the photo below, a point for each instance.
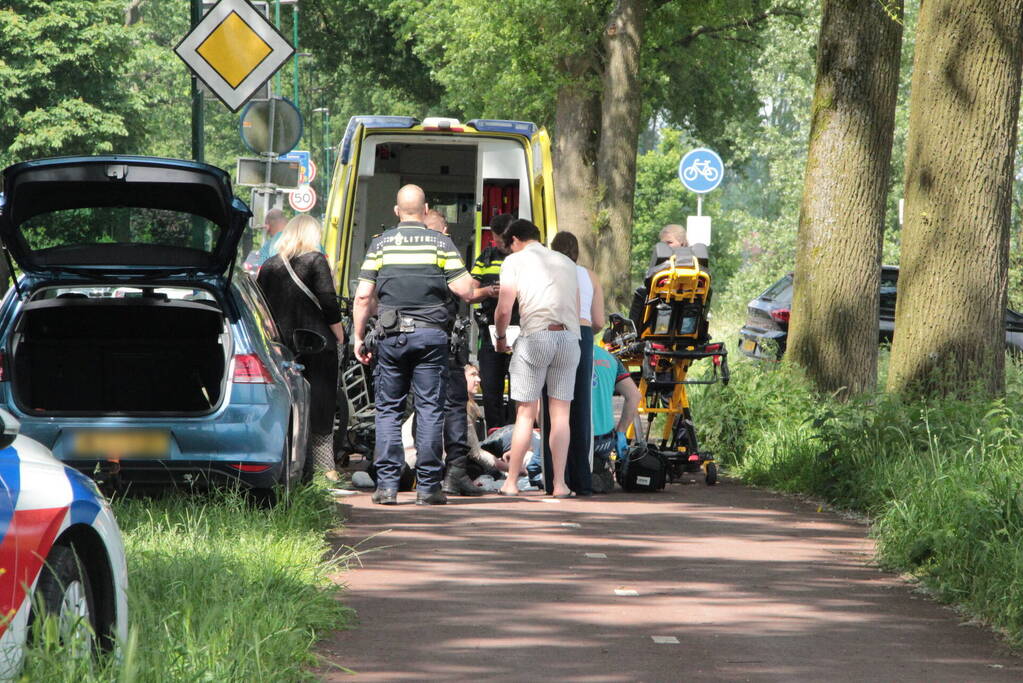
(458, 483)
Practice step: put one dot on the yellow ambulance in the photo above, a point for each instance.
(470, 172)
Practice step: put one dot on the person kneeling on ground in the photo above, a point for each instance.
(610, 377)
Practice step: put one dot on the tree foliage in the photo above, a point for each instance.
(65, 85)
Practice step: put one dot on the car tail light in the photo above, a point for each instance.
(248, 467)
(780, 314)
(248, 369)
(4, 376)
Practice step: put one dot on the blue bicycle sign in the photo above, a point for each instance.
(701, 170)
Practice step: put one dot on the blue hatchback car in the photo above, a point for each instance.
(128, 347)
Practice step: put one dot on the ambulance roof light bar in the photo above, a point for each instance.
(442, 123)
(372, 122)
(526, 128)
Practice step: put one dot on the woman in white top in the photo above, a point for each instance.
(591, 318)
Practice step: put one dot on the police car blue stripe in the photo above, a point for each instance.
(84, 506)
(10, 473)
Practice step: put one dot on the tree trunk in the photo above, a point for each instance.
(963, 112)
(834, 328)
(575, 154)
(621, 112)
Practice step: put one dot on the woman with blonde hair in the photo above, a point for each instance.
(299, 288)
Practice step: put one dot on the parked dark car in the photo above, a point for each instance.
(767, 319)
(128, 347)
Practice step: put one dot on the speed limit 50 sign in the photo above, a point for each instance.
(303, 199)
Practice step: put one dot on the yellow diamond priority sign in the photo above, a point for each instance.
(234, 50)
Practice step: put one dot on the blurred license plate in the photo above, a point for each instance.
(129, 443)
(749, 345)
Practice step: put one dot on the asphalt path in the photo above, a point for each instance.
(695, 583)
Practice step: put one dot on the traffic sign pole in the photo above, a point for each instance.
(198, 141)
(198, 148)
(700, 171)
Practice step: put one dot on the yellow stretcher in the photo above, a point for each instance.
(666, 332)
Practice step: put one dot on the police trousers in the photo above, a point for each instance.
(493, 372)
(417, 361)
(456, 420)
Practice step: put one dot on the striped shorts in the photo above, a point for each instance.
(545, 357)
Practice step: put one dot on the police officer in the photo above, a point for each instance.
(409, 270)
(493, 365)
(456, 421)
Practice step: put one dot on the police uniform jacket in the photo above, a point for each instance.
(411, 267)
(487, 270)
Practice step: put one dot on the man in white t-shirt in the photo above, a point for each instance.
(547, 350)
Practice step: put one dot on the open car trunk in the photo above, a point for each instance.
(123, 356)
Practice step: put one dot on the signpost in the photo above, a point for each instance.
(303, 199)
(700, 171)
(304, 160)
(234, 50)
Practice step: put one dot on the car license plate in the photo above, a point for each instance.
(116, 444)
(749, 345)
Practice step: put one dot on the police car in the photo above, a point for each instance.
(61, 553)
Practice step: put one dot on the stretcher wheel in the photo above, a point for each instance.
(712, 474)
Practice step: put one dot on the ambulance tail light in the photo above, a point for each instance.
(249, 369)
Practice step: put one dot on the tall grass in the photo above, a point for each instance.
(941, 480)
(218, 591)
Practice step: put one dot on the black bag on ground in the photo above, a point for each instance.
(603, 470)
(643, 470)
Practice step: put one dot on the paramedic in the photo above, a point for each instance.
(546, 287)
(493, 365)
(410, 268)
(610, 377)
(456, 422)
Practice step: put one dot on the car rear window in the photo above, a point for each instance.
(777, 289)
(119, 225)
(122, 292)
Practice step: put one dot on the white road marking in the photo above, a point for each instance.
(596, 556)
(665, 640)
(626, 593)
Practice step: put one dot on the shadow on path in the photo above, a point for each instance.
(752, 585)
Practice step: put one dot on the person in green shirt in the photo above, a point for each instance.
(610, 377)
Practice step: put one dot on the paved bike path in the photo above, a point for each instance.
(753, 587)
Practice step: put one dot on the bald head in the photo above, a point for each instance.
(435, 221)
(275, 221)
(411, 204)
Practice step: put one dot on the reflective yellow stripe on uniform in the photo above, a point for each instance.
(487, 270)
(412, 259)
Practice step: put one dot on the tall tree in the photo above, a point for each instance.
(620, 122)
(959, 171)
(833, 333)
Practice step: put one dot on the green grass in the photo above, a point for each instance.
(218, 591)
(941, 480)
